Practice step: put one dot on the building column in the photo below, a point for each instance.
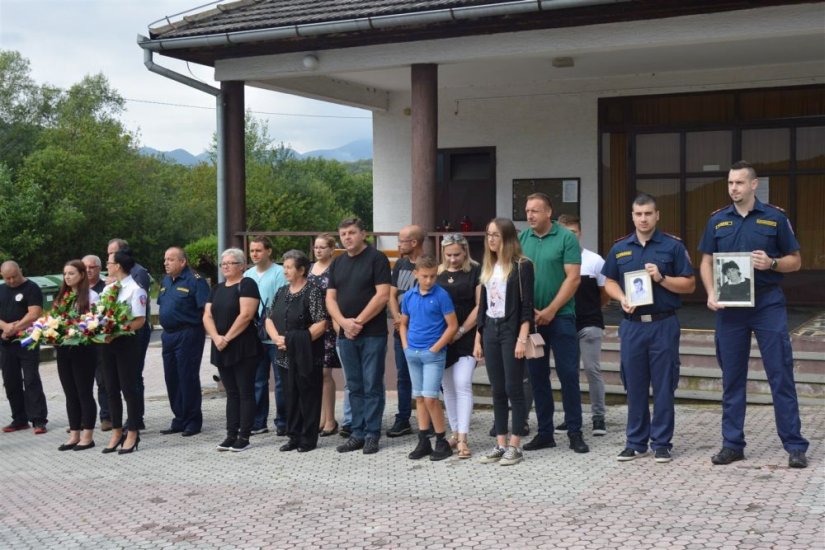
(233, 142)
(424, 107)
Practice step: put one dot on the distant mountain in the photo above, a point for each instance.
(180, 156)
(351, 152)
(356, 150)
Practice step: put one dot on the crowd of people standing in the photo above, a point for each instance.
(302, 320)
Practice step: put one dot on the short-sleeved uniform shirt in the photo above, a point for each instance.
(181, 300)
(226, 306)
(550, 253)
(354, 279)
(15, 303)
(666, 251)
(141, 276)
(132, 294)
(588, 295)
(426, 313)
(766, 228)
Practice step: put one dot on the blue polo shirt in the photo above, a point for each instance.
(426, 313)
(181, 300)
(766, 228)
(666, 251)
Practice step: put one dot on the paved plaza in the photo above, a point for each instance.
(182, 493)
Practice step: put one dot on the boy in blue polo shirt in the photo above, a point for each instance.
(428, 324)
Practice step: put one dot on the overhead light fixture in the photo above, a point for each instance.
(563, 62)
(311, 61)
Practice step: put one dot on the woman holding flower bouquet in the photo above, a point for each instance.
(76, 364)
(122, 311)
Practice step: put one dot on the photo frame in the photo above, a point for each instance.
(638, 288)
(733, 279)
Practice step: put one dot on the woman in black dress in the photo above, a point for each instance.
(296, 325)
(459, 276)
(227, 318)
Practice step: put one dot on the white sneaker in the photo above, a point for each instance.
(512, 455)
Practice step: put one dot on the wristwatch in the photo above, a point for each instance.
(774, 264)
(461, 331)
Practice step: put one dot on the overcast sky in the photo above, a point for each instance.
(65, 40)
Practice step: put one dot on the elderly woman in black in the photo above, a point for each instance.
(227, 318)
(296, 325)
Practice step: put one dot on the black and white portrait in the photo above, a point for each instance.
(733, 278)
(638, 288)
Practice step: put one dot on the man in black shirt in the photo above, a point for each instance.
(21, 303)
(357, 296)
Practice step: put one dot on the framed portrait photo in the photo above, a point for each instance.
(733, 279)
(638, 288)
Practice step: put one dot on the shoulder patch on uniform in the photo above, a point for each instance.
(719, 210)
(624, 253)
(672, 236)
(198, 276)
(771, 223)
(774, 206)
(726, 223)
(623, 237)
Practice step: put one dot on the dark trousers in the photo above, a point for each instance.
(239, 383)
(76, 367)
(24, 390)
(182, 354)
(102, 396)
(506, 374)
(265, 363)
(404, 384)
(143, 335)
(560, 336)
(120, 370)
(303, 405)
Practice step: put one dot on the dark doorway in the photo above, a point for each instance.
(466, 191)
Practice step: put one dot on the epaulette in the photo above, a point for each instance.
(719, 210)
(198, 276)
(624, 237)
(672, 236)
(774, 206)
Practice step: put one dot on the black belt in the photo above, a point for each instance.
(650, 317)
(178, 329)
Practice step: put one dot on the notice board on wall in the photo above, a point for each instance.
(564, 192)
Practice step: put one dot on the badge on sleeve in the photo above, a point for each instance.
(143, 299)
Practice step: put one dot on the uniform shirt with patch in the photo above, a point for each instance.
(131, 293)
(181, 300)
(765, 228)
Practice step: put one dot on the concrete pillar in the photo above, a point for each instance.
(424, 106)
(235, 151)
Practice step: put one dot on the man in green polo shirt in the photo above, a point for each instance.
(557, 262)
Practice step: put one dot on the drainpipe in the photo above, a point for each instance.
(221, 164)
(364, 24)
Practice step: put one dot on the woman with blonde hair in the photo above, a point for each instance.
(459, 275)
(505, 313)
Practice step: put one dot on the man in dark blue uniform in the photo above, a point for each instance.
(748, 225)
(183, 294)
(649, 334)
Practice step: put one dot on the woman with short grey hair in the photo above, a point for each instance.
(228, 320)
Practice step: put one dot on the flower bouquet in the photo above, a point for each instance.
(109, 318)
(48, 329)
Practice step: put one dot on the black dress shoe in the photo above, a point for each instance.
(577, 443)
(540, 442)
(797, 459)
(288, 446)
(79, 447)
(333, 431)
(305, 448)
(280, 432)
(187, 433)
(67, 447)
(726, 456)
(170, 431)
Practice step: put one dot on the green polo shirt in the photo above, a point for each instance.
(549, 254)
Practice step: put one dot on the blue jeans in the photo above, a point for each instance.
(347, 420)
(267, 362)
(363, 361)
(426, 371)
(404, 382)
(561, 336)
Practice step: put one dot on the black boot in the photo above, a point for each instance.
(423, 448)
(442, 448)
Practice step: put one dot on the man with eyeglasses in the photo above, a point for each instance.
(270, 277)
(93, 267)
(557, 259)
(410, 247)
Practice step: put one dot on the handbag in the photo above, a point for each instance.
(535, 343)
(260, 323)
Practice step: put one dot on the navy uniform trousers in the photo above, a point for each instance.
(769, 322)
(182, 353)
(650, 357)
